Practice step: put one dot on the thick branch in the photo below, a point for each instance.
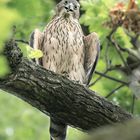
(57, 96)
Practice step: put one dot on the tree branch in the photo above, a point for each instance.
(57, 96)
(112, 78)
(22, 41)
(114, 90)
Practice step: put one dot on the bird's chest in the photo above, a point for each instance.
(64, 49)
(65, 37)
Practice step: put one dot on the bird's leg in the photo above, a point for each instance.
(57, 130)
(64, 73)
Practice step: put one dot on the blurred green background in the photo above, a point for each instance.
(20, 121)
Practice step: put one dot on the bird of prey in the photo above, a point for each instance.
(66, 51)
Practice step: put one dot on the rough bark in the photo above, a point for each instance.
(56, 95)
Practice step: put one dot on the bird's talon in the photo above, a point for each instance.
(64, 73)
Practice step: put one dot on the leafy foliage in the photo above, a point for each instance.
(95, 17)
(21, 121)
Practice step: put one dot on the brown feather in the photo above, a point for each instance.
(92, 49)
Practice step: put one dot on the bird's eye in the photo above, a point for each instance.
(75, 7)
(66, 2)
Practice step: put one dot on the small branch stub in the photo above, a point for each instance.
(13, 54)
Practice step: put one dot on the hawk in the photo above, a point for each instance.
(66, 51)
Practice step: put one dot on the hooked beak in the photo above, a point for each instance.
(69, 7)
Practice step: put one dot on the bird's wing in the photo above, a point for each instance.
(92, 49)
(36, 42)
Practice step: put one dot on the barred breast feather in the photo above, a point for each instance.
(63, 48)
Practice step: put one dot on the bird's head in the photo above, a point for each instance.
(68, 8)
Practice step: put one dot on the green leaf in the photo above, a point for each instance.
(35, 54)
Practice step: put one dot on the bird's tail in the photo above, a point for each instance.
(57, 130)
